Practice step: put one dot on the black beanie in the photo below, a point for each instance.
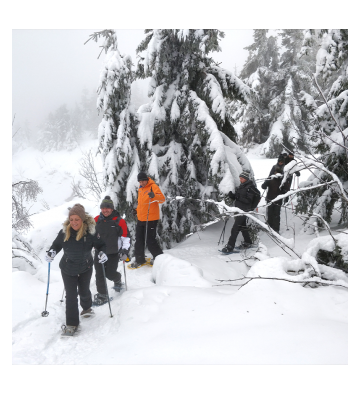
(245, 174)
(107, 203)
(142, 176)
(281, 159)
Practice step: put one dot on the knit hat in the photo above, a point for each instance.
(142, 176)
(79, 210)
(245, 174)
(281, 158)
(107, 203)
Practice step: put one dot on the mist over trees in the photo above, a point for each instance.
(62, 128)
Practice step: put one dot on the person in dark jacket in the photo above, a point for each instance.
(243, 197)
(76, 239)
(273, 185)
(111, 228)
(289, 179)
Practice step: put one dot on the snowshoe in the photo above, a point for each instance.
(68, 330)
(136, 265)
(227, 250)
(87, 313)
(149, 262)
(118, 287)
(100, 299)
(245, 246)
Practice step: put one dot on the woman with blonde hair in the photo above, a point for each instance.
(77, 239)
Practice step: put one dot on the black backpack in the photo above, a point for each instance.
(256, 198)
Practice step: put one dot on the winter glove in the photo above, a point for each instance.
(102, 257)
(151, 194)
(297, 173)
(123, 254)
(231, 195)
(264, 185)
(50, 255)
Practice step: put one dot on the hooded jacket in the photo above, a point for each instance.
(143, 202)
(273, 184)
(77, 256)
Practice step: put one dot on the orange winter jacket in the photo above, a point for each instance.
(143, 202)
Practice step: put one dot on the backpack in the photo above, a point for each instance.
(256, 197)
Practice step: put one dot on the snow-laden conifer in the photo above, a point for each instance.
(329, 127)
(117, 132)
(59, 131)
(185, 133)
(275, 117)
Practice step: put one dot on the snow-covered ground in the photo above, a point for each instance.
(177, 312)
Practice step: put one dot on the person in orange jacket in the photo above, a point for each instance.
(148, 215)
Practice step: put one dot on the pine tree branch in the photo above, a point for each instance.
(327, 105)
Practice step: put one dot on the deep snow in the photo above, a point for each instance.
(176, 312)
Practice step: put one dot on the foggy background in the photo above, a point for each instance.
(52, 67)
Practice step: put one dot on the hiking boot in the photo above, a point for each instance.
(87, 313)
(99, 299)
(68, 330)
(118, 286)
(227, 249)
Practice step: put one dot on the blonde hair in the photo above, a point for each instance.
(79, 235)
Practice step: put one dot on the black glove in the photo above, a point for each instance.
(297, 173)
(123, 254)
(151, 194)
(264, 185)
(231, 195)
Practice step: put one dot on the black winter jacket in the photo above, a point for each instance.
(77, 256)
(243, 196)
(110, 230)
(273, 184)
(287, 184)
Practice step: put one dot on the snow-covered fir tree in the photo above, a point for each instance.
(182, 138)
(185, 134)
(259, 72)
(59, 132)
(329, 127)
(117, 130)
(275, 118)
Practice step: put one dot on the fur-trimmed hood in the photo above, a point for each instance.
(89, 224)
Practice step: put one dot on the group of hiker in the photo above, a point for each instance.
(108, 235)
(245, 194)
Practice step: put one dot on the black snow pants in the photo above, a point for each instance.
(111, 272)
(273, 214)
(74, 286)
(151, 242)
(239, 226)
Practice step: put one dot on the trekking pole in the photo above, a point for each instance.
(223, 231)
(147, 218)
(62, 298)
(287, 228)
(46, 313)
(125, 276)
(107, 292)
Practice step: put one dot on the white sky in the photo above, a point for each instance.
(52, 67)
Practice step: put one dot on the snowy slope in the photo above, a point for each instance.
(176, 312)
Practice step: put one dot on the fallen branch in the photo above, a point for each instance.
(305, 282)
